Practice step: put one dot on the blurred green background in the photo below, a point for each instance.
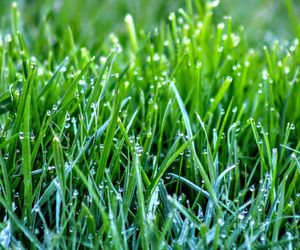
(92, 20)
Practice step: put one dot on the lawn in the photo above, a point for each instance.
(149, 124)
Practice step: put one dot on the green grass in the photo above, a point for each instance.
(183, 136)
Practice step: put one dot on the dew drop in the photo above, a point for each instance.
(68, 117)
(93, 106)
(14, 207)
(6, 156)
(21, 135)
(221, 222)
(229, 79)
(36, 208)
(138, 149)
(241, 216)
(75, 193)
(101, 185)
(263, 239)
(54, 107)
(93, 171)
(168, 177)
(32, 136)
(292, 126)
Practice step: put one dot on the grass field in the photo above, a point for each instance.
(171, 127)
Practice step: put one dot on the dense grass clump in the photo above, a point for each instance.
(184, 137)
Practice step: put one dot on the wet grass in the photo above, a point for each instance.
(184, 137)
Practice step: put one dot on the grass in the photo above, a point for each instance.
(184, 137)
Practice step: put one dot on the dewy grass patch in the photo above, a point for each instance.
(184, 137)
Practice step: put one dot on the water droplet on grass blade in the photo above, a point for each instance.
(168, 177)
(32, 136)
(156, 57)
(6, 156)
(241, 216)
(36, 208)
(51, 168)
(54, 107)
(221, 222)
(21, 135)
(93, 171)
(229, 79)
(75, 193)
(292, 126)
(68, 117)
(263, 239)
(291, 203)
(213, 4)
(93, 106)
(5, 236)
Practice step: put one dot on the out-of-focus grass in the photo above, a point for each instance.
(263, 20)
(91, 21)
